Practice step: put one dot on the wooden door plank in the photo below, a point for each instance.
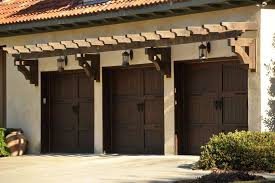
(153, 91)
(235, 97)
(126, 119)
(201, 116)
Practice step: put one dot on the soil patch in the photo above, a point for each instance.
(227, 177)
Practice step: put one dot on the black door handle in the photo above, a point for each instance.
(140, 107)
(216, 104)
(75, 107)
(221, 104)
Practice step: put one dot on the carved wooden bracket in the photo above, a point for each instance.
(91, 65)
(161, 58)
(29, 68)
(245, 48)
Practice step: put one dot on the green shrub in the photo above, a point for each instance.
(247, 151)
(3, 148)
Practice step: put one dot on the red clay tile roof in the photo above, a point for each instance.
(20, 11)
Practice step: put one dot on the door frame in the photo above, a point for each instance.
(45, 112)
(3, 88)
(46, 107)
(180, 110)
(107, 98)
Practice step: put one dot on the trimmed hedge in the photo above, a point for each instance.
(3, 148)
(246, 151)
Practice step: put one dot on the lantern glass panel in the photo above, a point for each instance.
(202, 51)
(60, 64)
(125, 58)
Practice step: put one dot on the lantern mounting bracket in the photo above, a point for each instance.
(91, 65)
(161, 58)
(245, 48)
(29, 68)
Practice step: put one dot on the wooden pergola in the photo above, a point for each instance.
(155, 42)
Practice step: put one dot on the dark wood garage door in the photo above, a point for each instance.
(136, 110)
(215, 100)
(71, 120)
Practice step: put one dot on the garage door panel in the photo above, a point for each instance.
(215, 101)
(235, 99)
(235, 77)
(63, 116)
(199, 135)
(64, 141)
(235, 110)
(154, 141)
(85, 88)
(201, 114)
(62, 85)
(127, 132)
(121, 129)
(127, 139)
(126, 83)
(153, 111)
(130, 124)
(137, 111)
(72, 111)
(124, 110)
(204, 78)
(85, 141)
(153, 126)
(201, 110)
(86, 116)
(153, 82)
(233, 127)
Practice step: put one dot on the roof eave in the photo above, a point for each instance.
(121, 16)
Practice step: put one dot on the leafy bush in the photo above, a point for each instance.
(247, 151)
(3, 148)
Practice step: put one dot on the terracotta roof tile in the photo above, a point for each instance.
(19, 11)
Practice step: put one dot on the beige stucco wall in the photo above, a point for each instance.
(23, 99)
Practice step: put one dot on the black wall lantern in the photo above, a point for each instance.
(126, 56)
(204, 49)
(62, 61)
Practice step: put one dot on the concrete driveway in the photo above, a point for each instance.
(97, 169)
(93, 168)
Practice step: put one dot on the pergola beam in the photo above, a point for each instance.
(158, 38)
(132, 45)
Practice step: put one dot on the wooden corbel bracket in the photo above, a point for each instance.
(245, 48)
(91, 65)
(29, 68)
(161, 58)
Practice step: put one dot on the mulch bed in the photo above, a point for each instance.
(226, 177)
